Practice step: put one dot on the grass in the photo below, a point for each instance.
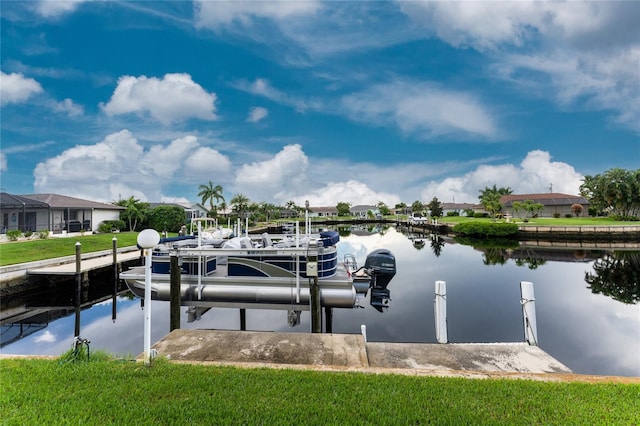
(32, 250)
(36, 391)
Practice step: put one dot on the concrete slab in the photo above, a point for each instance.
(350, 352)
(336, 350)
(485, 357)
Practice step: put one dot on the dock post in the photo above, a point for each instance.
(243, 319)
(528, 302)
(174, 297)
(440, 310)
(114, 242)
(314, 291)
(78, 288)
(328, 319)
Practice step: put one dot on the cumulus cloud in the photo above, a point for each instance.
(535, 174)
(171, 99)
(214, 14)
(16, 88)
(256, 114)
(119, 166)
(46, 337)
(283, 173)
(422, 109)
(351, 191)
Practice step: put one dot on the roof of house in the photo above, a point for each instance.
(454, 206)
(547, 199)
(10, 201)
(329, 209)
(63, 201)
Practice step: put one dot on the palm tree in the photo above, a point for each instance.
(210, 193)
(240, 203)
(136, 210)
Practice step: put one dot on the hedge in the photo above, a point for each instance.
(486, 229)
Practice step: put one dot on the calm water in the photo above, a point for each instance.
(590, 333)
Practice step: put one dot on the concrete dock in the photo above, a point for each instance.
(350, 352)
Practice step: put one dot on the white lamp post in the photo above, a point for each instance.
(147, 239)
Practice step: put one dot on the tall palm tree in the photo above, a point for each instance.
(212, 194)
(240, 203)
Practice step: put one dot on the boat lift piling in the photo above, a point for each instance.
(440, 310)
(528, 302)
(174, 308)
(78, 288)
(116, 271)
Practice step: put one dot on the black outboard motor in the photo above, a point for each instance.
(381, 265)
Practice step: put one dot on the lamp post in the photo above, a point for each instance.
(147, 240)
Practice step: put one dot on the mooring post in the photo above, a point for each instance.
(528, 302)
(174, 296)
(114, 242)
(328, 319)
(78, 287)
(243, 319)
(314, 291)
(440, 310)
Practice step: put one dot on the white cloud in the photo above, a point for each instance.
(3, 162)
(264, 88)
(284, 173)
(256, 114)
(119, 167)
(16, 88)
(46, 337)
(57, 8)
(172, 99)
(214, 14)
(422, 109)
(351, 191)
(588, 51)
(68, 107)
(535, 174)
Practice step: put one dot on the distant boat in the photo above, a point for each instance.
(272, 272)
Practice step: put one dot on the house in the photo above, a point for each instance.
(191, 211)
(331, 211)
(362, 211)
(554, 203)
(460, 208)
(53, 212)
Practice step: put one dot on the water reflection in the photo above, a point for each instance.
(616, 275)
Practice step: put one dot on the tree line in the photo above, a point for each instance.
(614, 193)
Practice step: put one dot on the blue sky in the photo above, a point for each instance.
(321, 101)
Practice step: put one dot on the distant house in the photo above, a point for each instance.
(53, 212)
(554, 203)
(191, 211)
(456, 207)
(362, 211)
(331, 211)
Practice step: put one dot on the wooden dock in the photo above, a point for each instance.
(86, 265)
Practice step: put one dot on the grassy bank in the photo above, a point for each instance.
(32, 250)
(107, 392)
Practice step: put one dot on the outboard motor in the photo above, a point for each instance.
(381, 265)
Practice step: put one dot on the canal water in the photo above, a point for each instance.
(586, 300)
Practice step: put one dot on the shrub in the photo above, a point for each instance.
(479, 214)
(111, 226)
(28, 234)
(454, 213)
(43, 235)
(484, 229)
(14, 234)
(568, 215)
(556, 215)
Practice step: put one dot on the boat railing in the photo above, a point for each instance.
(271, 251)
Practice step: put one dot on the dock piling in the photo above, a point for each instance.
(440, 310)
(78, 288)
(528, 302)
(174, 308)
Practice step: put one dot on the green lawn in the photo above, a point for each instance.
(32, 250)
(108, 393)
